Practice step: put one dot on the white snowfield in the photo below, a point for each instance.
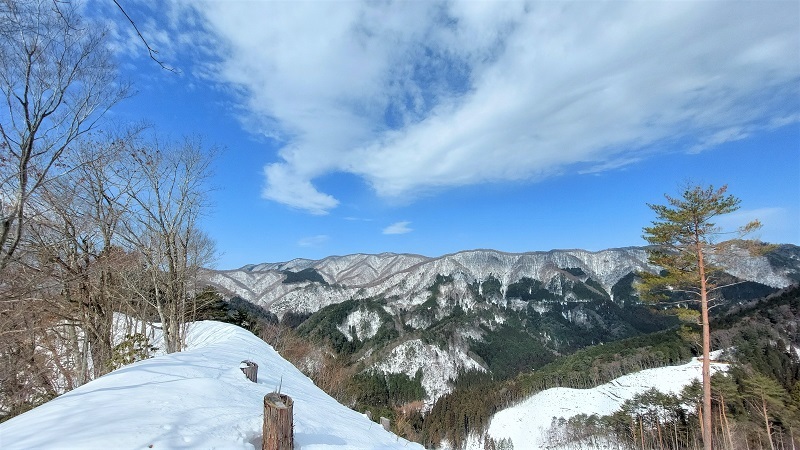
(526, 424)
(195, 399)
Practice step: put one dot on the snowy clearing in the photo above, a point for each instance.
(526, 424)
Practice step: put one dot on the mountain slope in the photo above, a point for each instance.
(462, 312)
(405, 278)
(198, 398)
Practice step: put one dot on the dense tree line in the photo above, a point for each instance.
(305, 275)
(382, 393)
(750, 410)
(509, 350)
(323, 326)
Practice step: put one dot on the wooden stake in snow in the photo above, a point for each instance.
(278, 422)
(250, 370)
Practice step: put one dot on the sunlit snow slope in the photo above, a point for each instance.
(526, 424)
(198, 398)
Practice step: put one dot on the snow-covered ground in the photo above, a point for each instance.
(526, 424)
(198, 398)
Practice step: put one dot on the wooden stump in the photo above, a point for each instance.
(386, 424)
(278, 422)
(250, 370)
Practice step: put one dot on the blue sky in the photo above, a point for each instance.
(433, 127)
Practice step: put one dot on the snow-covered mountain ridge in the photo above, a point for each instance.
(401, 313)
(404, 276)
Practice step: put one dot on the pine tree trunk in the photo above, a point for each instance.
(766, 422)
(707, 445)
(278, 422)
(725, 421)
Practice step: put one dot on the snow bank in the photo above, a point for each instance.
(526, 424)
(198, 398)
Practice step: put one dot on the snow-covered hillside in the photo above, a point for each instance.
(198, 398)
(526, 423)
(438, 366)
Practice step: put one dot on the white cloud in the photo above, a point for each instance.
(414, 96)
(313, 241)
(398, 228)
(295, 190)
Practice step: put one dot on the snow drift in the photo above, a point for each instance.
(198, 398)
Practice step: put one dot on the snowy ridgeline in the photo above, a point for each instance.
(198, 398)
(525, 425)
(406, 278)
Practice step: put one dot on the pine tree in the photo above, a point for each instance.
(767, 397)
(683, 239)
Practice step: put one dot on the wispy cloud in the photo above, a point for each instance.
(777, 224)
(357, 219)
(398, 228)
(744, 216)
(442, 94)
(313, 241)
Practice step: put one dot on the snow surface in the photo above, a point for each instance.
(526, 423)
(198, 398)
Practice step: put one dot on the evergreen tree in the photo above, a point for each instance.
(767, 397)
(684, 245)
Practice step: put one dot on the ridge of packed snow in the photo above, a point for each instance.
(198, 398)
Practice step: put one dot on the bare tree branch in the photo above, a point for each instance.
(150, 50)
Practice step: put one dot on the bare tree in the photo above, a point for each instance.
(56, 79)
(169, 199)
(90, 224)
(77, 234)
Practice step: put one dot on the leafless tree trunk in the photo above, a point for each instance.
(56, 80)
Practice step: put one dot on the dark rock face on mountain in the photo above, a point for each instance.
(478, 310)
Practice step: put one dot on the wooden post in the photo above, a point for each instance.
(386, 424)
(250, 370)
(278, 422)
